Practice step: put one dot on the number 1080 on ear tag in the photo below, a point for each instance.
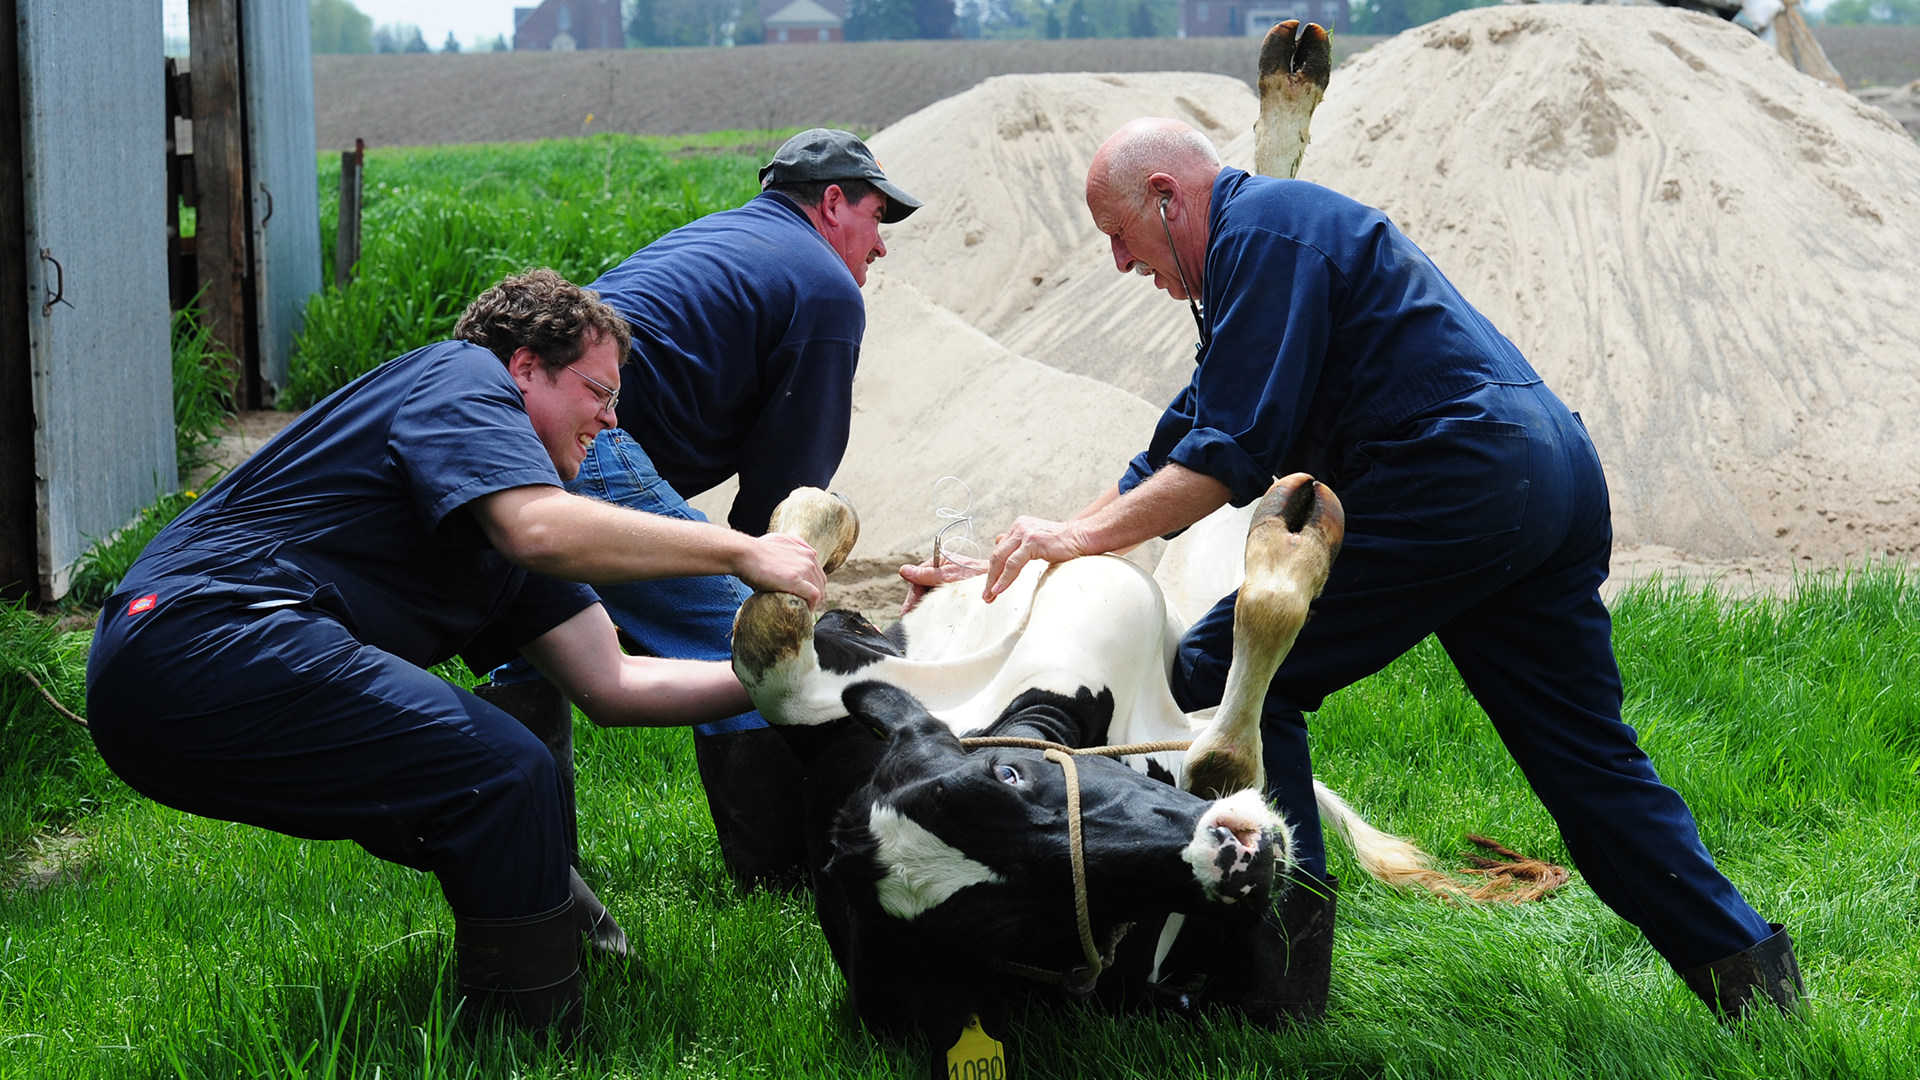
(976, 1055)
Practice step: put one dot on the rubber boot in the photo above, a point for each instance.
(595, 923)
(544, 710)
(1284, 968)
(756, 794)
(526, 970)
(1766, 972)
(1274, 969)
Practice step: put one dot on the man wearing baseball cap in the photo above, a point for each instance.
(746, 333)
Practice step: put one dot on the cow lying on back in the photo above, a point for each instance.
(939, 870)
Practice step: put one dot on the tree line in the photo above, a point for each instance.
(340, 27)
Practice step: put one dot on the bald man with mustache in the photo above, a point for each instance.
(1476, 512)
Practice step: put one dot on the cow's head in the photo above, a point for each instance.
(947, 860)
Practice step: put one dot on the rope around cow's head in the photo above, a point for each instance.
(1079, 981)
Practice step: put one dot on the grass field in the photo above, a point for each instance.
(440, 224)
(171, 946)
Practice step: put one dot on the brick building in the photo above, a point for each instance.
(1253, 18)
(800, 22)
(565, 25)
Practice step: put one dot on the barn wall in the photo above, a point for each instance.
(93, 112)
(284, 189)
(19, 568)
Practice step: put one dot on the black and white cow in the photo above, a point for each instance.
(938, 868)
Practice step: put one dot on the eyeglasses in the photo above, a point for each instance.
(612, 402)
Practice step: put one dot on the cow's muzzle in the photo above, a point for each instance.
(1238, 849)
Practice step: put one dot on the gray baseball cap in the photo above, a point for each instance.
(829, 154)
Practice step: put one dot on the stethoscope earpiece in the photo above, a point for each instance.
(1199, 319)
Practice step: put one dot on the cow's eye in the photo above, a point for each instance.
(1008, 774)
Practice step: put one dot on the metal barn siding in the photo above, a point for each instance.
(92, 103)
(285, 187)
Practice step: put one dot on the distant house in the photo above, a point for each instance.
(565, 25)
(1253, 18)
(800, 22)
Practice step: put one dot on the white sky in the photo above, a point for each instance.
(472, 21)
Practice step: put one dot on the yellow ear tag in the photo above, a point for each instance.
(976, 1055)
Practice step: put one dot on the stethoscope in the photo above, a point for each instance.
(1199, 317)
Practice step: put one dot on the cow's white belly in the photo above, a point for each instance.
(1097, 624)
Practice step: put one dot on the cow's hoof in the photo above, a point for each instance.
(1296, 61)
(824, 520)
(1215, 772)
(770, 632)
(1301, 54)
(1296, 532)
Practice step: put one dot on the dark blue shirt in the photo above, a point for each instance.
(359, 508)
(1328, 329)
(746, 331)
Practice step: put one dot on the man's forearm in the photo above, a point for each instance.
(1173, 498)
(655, 692)
(580, 539)
(615, 690)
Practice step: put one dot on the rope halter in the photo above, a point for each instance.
(1078, 981)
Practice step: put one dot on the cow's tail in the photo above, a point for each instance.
(1391, 859)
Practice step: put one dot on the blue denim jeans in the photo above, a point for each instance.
(689, 618)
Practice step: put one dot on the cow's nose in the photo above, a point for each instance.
(1236, 846)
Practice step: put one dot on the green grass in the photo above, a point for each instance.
(202, 401)
(194, 948)
(440, 224)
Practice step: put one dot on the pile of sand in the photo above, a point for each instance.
(1709, 255)
(948, 383)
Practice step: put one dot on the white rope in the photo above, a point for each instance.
(961, 518)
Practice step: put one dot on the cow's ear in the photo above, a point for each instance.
(883, 707)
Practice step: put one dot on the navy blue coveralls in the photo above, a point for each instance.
(263, 661)
(1475, 509)
(746, 332)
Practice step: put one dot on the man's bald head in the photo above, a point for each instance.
(1149, 189)
(1142, 148)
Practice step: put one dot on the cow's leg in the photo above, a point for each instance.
(1272, 965)
(773, 651)
(1291, 545)
(1295, 62)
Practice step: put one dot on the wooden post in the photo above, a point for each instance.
(183, 278)
(220, 186)
(346, 248)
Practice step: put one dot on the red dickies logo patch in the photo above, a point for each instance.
(144, 603)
